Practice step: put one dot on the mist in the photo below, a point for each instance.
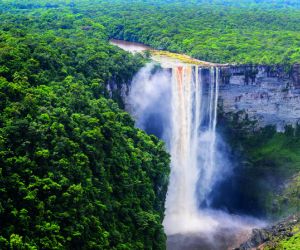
(149, 100)
(179, 105)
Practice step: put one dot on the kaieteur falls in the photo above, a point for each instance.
(192, 146)
(179, 104)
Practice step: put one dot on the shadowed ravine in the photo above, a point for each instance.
(178, 103)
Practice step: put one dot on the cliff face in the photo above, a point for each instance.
(268, 94)
(296, 75)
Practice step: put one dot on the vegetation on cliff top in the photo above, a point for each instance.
(74, 171)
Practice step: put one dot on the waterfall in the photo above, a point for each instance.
(192, 147)
(178, 104)
(207, 139)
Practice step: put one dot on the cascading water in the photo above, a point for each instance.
(207, 138)
(179, 105)
(192, 147)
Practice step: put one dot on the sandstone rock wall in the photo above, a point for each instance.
(269, 94)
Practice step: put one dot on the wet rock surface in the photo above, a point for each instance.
(271, 235)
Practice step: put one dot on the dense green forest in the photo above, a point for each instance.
(248, 31)
(236, 32)
(74, 171)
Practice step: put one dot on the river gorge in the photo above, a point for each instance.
(150, 125)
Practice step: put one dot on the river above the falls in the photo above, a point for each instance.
(186, 92)
(130, 46)
(165, 58)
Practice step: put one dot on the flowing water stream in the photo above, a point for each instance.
(192, 146)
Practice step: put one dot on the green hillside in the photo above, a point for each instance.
(74, 171)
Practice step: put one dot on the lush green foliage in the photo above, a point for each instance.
(290, 244)
(290, 241)
(225, 31)
(74, 172)
(217, 31)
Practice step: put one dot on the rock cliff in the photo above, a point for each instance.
(269, 94)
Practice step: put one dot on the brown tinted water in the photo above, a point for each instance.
(165, 58)
(130, 46)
